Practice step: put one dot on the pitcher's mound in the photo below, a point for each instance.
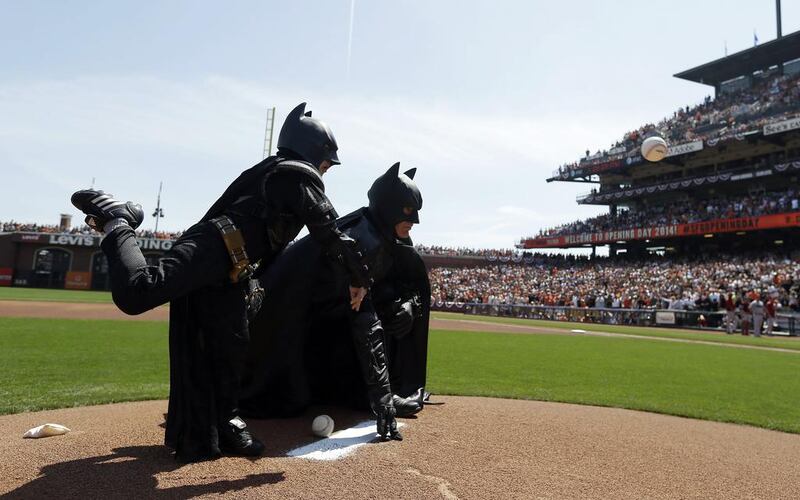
(465, 448)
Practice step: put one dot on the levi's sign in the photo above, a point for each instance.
(72, 240)
(85, 240)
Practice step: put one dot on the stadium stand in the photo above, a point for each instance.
(652, 283)
(30, 227)
(769, 99)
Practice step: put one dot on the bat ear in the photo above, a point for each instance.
(394, 170)
(410, 173)
(297, 112)
(308, 113)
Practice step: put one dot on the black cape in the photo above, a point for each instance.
(301, 350)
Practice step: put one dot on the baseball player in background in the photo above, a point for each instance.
(757, 310)
(744, 314)
(730, 314)
(771, 308)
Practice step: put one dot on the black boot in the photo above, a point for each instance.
(405, 407)
(235, 439)
(100, 208)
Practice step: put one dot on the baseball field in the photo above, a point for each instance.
(66, 356)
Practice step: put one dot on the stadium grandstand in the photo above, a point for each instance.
(730, 178)
(713, 227)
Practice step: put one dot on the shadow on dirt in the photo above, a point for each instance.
(128, 472)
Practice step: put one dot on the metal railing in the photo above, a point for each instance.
(785, 324)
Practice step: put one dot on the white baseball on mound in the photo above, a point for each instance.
(322, 426)
(654, 148)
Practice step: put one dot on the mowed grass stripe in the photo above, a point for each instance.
(730, 385)
(639, 331)
(53, 363)
(53, 295)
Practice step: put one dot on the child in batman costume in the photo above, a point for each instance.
(307, 346)
(203, 277)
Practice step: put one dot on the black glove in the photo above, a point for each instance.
(255, 297)
(385, 413)
(399, 323)
(355, 262)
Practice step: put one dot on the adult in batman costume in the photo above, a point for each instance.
(309, 347)
(204, 278)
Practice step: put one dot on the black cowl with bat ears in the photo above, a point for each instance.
(390, 194)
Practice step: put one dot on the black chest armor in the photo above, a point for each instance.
(267, 226)
(376, 246)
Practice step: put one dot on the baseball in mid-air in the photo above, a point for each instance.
(654, 148)
(322, 426)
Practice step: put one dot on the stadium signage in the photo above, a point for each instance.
(665, 318)
(688, 147)
(6, 273)
(74, 240)
(675, 230)
(154, 244)
(782, 126)
(87, 240)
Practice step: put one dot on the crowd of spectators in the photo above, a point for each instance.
(770, 98)
(654, 283)
(465, 251)
(29, 227)
(684, 212)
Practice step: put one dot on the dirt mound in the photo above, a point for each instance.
(465, 448)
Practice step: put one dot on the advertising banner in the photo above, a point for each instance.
(669, 231)
(86, 240)
(78, 280)
(665, 318)
(5, 276)
(688, 147)
(782, 126)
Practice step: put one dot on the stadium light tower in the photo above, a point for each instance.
(268, 132)
(159, 212)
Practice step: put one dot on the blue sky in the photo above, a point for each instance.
(486, 99)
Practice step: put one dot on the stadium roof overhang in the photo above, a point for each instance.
(746, 62)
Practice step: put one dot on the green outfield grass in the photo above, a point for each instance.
(641, 331)
(57, 363)
(62, 363)
(747, 386)
(52, 295)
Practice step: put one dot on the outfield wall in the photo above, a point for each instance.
(784, 324)
(54, 260)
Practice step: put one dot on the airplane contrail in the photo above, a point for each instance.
(350, 35)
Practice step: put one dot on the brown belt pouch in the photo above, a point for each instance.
(234, 242)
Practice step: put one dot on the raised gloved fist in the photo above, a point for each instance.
(387, 424)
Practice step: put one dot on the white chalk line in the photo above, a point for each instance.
(339, 444)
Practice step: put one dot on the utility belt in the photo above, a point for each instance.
(234, 242)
